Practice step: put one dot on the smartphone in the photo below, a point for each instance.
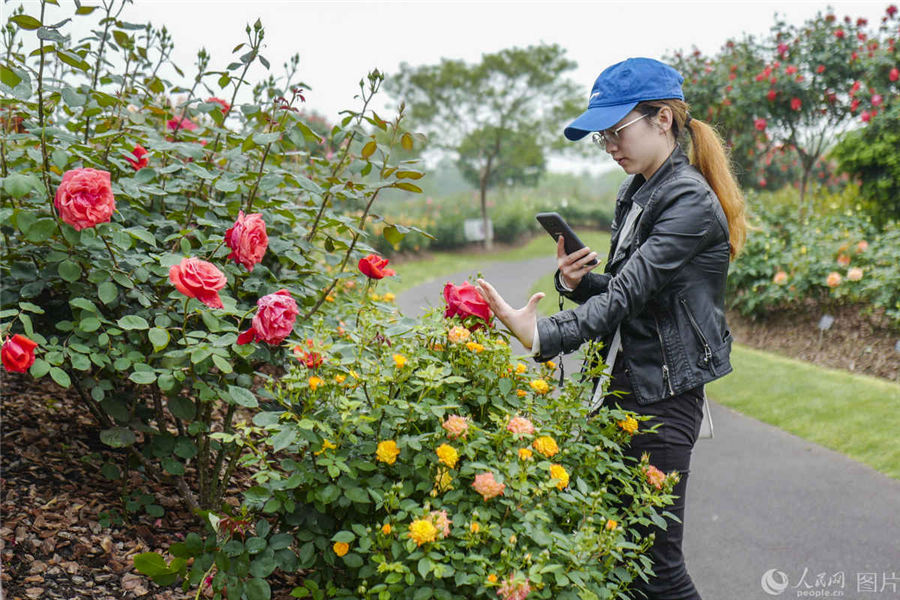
(556, 226)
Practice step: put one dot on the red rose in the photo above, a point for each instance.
(839, 34)
(465, 301)
(18, 353)
(274, 319)
(760, 124)
(876, 100)
(894, 75)
(796, 104)
(140, 154)
(891, 10)
(790, 70)
(782, 48)
(762, 182)
(84, 198)
(198, 279)
(177, 123)
(771, 95)
(247, 239)
(225, 106)
(373, 267)
(854, 105)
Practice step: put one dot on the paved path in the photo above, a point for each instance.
(758, 498)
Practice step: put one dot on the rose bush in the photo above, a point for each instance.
(445, 475)
(139, 233)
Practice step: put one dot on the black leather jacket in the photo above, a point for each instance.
(666, 289)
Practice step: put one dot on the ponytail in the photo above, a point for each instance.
(708, 154)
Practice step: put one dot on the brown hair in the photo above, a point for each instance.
(708, 154)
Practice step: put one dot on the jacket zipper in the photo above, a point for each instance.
(707, 353)
(665, 367)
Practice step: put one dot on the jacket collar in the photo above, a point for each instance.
(640, 189)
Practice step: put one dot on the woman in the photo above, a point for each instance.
(658, 307)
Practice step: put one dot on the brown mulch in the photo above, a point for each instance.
(52, 494)
(856, 342)
(52, 544)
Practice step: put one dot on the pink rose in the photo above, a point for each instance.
(274, 319)
(140, 158)
(487, 486)
(84, 198)
(177, 123)
(198, 279)
(18, 353)
(465, 301)
(854, 274)
(654, 476)
(520, 425)
(760, 124)
(247, 239)
(456, 426)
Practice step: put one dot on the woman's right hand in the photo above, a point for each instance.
(573, 267)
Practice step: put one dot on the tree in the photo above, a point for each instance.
(499, 117)
(795, 90)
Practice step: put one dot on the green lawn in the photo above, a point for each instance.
(852, 414)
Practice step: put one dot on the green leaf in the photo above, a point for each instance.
(17, 185)
(73, 60)
(182, 408)
(70, 270)
(425, 565)
(151, 564)
(9, 77)
(353, 560)
(142, 234)
(60, 377)
(280, 541)
(143, 377)
(242, 397)
(130, 322)
(31, 307)
(40, 368)
(117, 437)
(369, 149)
(72, 98)
(25, 21)
(392, 235)
(357, 494)
(223, 364)
(41, 230)
(107, 291)
(89, 324)
(255, 545)
(409, 187)
(266, 138)
(172, 466)
(159, 337)
(258, 589)
(346, 537)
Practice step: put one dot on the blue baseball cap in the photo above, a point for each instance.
(620, 88)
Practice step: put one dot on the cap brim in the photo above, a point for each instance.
(597, 119)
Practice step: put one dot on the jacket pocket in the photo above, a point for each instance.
(706, 360)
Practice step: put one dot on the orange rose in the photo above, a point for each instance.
(834, 279)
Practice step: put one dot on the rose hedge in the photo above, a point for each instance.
(833, 258)
(119, 209)
(420, 459)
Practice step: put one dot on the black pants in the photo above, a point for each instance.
(669, 449)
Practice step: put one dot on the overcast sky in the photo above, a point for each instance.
(339, 42)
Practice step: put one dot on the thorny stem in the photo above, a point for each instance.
(109, 8)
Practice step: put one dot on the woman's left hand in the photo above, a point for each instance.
(521, 322)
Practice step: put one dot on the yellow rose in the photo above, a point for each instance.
(422, 531)
(611, 525)
(389, 297)
(399, 360)
(475, 527)
(540, 386)
(387, 452)
(339, 379)
(340, 548)
(458, 334)
(550, 364)
(443, 482)
(492, 578)
(546, 445)
(630, 425)
(474, 347)
(326, 445)
(386, 529)
(329, 298)
(521, 393)
(520, 368)
(315, 382)
(525, 454)
(559, 472)
(448, 455)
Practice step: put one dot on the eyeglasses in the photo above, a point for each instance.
(603, 138)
